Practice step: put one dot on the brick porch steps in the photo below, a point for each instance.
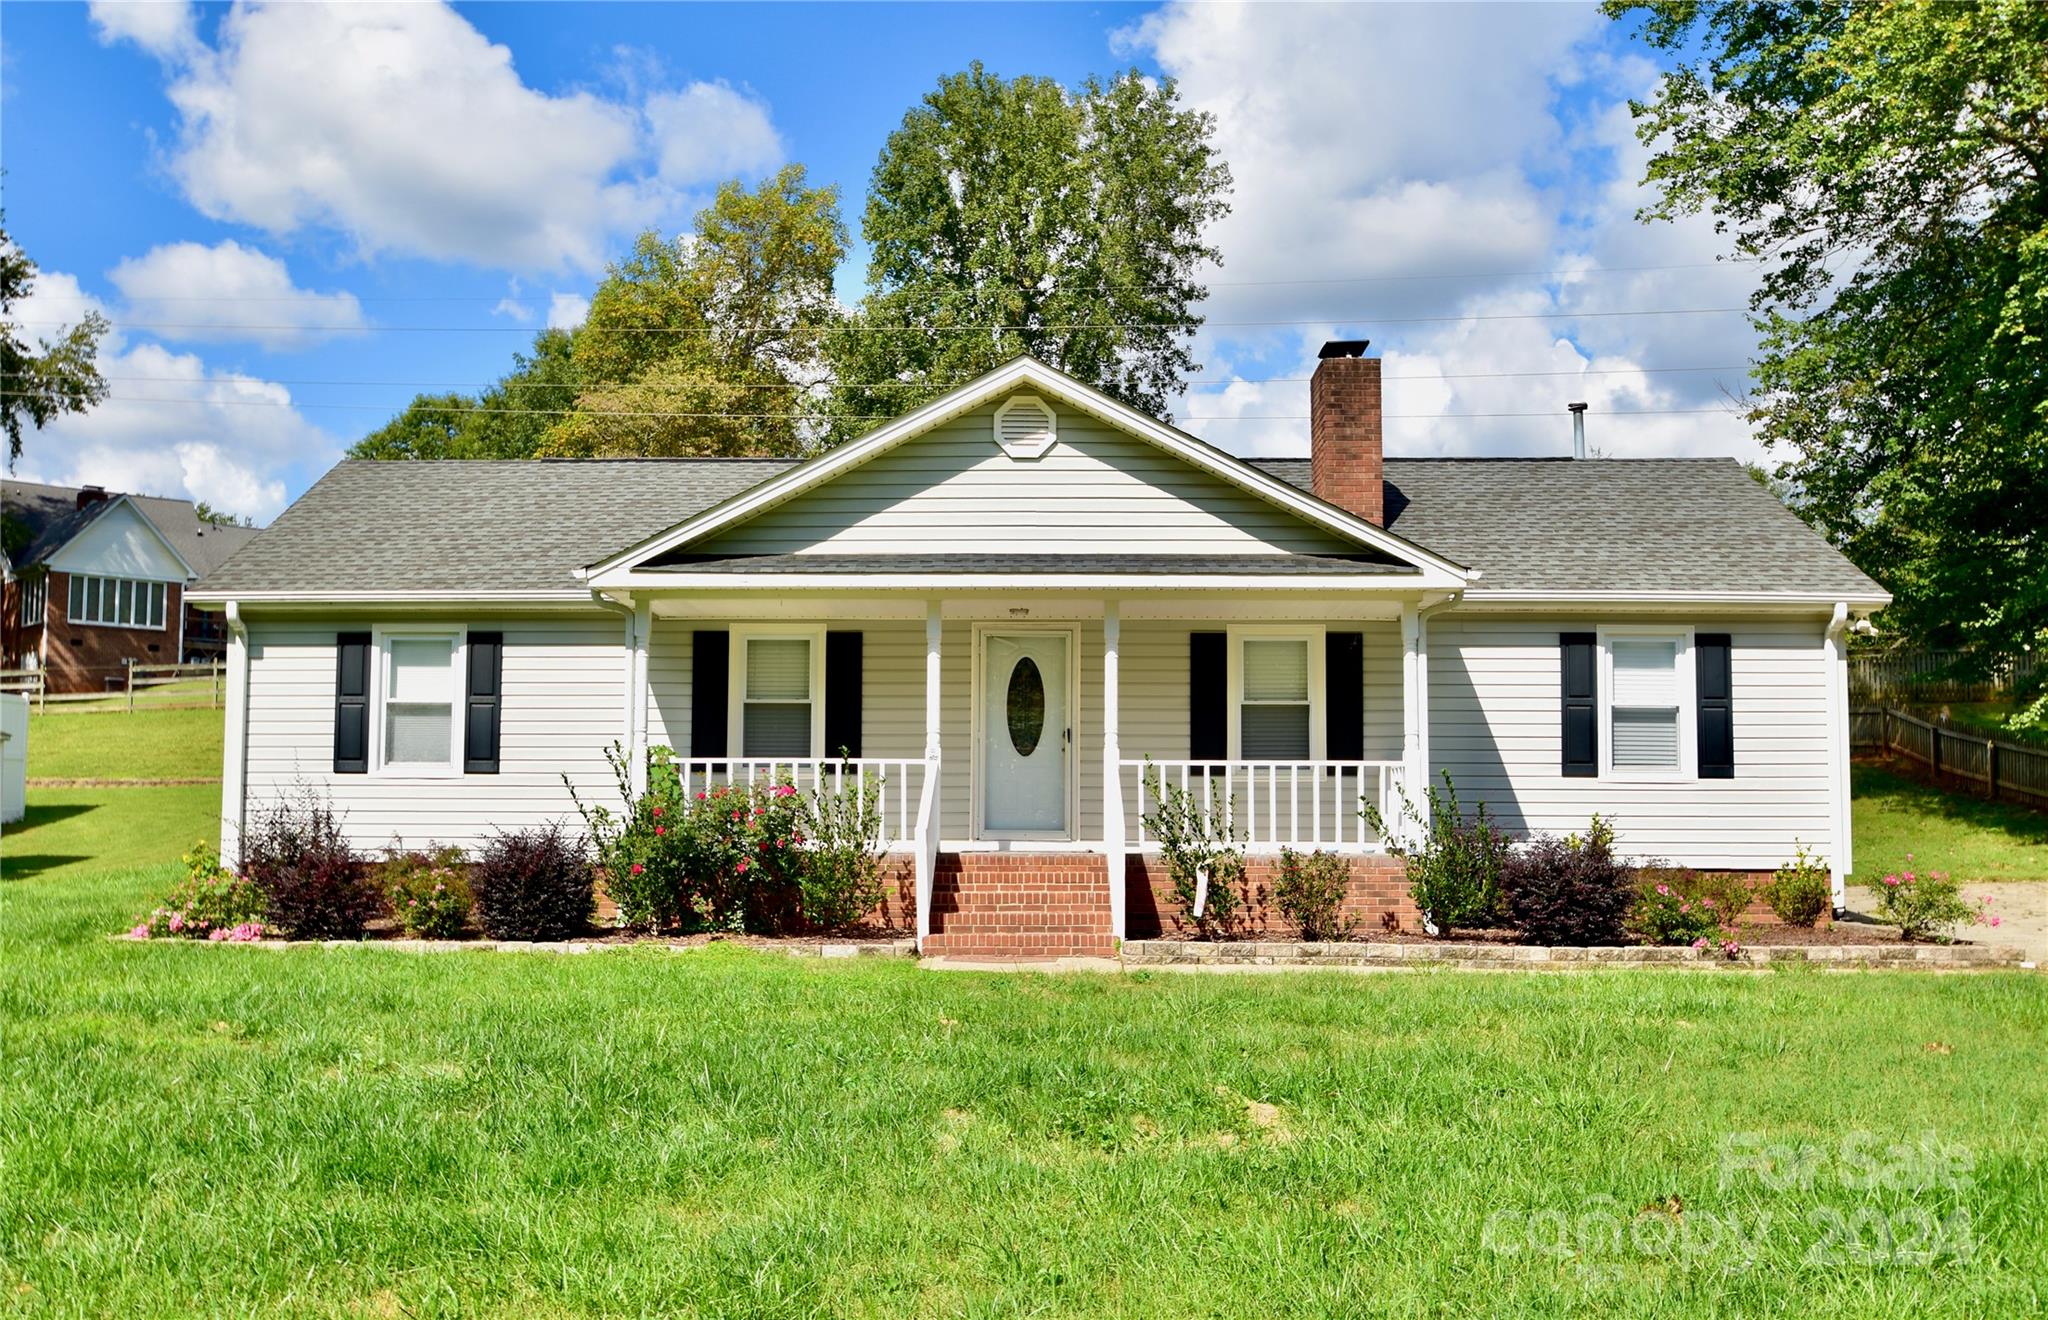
(1021, 905)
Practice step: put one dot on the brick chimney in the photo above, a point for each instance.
(1346, 462)
(91, 495)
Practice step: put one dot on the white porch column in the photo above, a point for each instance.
(234, 770)
(934, 626)
(929, 829)
(639, 626)
(1112, 752)
(1839, 856)
(1414, 768)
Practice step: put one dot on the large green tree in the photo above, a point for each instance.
(41, 377)
(508, 420)
(1887, 164)
(709, 344)
(1012, 216)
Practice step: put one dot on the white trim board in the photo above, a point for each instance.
(1438, 572)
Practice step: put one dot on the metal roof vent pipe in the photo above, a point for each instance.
(1578, 411)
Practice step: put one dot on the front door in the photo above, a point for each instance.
(1027, 736)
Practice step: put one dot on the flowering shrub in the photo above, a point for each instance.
(1801, 890)
(533, 885)
(1309, 891)
(1924, 906)
(1663, 915)
(211, 903)
(313, 884)
(760, 857)
(428, 892)
(1569, 891)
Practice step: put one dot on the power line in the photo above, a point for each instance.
(1406, 277)
(924, 330)
(789, 416)
(897, 384)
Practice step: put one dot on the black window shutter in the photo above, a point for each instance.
(352, 703)
(485, 699)
(842, 693)
(1344, 696)
(1581, 692)
(710, 660)
(1208, 696)
(1712, 665)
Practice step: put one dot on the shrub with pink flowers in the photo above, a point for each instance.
(1665, 915)
(212, 902)
(1924, 905)
(428, 891)
(757, 856)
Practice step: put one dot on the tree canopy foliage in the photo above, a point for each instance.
(1014, 216)
(41, 378)
(1004, 217)
(1888, 166)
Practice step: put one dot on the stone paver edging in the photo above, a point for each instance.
(1536, 957)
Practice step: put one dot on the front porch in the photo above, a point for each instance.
(1016, 743)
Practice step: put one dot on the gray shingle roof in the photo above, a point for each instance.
(54, 517)
(509, 526)
(1652, 524)
(1192, 565)
(1526, 524)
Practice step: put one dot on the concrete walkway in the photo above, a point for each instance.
(2021, 907)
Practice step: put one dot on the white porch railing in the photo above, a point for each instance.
(1269, 805)
(898, 783)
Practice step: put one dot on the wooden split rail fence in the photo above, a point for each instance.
(141, 687)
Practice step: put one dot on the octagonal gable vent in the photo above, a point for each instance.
(1025, 427)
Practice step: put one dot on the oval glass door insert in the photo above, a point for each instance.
(1026, 706)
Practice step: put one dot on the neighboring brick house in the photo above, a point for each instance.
(99, 583)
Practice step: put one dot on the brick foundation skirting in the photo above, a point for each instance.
(1378, 888)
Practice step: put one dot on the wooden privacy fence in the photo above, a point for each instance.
(1924, 676)
(2004, 769)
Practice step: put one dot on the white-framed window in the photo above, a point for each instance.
(116, 602)
(35, 591)
(777, 693)
(419, 701)
(1276, 694)
(1648, 703)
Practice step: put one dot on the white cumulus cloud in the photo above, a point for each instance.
(567, 310)
(406, 129)
(164, 28)
(229, 292)
(171, 425)
(1411, 173)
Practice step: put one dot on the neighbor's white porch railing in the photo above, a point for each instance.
(897, 786)
(1269, 805)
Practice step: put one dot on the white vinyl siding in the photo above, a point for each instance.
(563, 693)
(1096, 491)
(1494, 724)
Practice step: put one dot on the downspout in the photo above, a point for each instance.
(1840, 856)
(633, 700)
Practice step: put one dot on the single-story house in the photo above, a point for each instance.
(99, 583)
(1013, 600)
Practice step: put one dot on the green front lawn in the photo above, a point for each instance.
(359, 1131)
(1904, 824)
(148, 744)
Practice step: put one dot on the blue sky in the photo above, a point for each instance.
(298, 217)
